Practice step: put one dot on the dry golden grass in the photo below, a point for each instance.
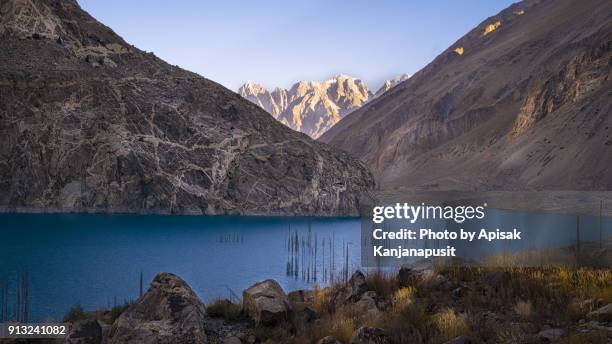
(223, 308)
(403, 297)
(451, 324)
(321, 298)
(383, 284)
(428, 313)
(524, 309)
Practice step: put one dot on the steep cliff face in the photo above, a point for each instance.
(89, 122)
(521, 102)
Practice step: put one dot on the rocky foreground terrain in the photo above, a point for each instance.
(419, 304)
(521, 102)
(90, 123)
(313, 107)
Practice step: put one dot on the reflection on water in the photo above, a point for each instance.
(97, 260)
(313, 257)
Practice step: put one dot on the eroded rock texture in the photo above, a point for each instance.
(89, 122)
(169, 312)
(266, 303)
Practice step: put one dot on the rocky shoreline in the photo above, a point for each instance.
(416, 305)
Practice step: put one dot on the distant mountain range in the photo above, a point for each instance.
(313, 107)
(521, 102)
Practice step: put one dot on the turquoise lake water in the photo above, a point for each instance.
(96, 260)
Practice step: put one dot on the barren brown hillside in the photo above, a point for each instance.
(523, 101)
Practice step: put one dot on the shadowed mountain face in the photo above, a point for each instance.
(523, 101)
(89, 122)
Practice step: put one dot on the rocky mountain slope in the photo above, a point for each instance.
(313, 107)
(523, 101)
(90, 123)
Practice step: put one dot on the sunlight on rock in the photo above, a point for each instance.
(459, 51)
(519, 12)
(491, 27)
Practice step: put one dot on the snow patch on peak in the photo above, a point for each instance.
(389, 84)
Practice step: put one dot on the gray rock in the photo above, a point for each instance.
(460, 340)
(169, 312)
(588, 305)
(309, 314)
(497, 279)
(352, 292)
(369, 335)
(551, 334)
(105, 331)
(266, 303)
(368, 303)
(458, 292)
(328, 340)
(300, 296)
(232, 340)
(603, 314)
(407, 276)
(85, 332)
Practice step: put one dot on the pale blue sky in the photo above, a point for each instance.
(277, 43)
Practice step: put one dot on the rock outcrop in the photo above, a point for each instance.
(351, 292)
(328, 340)
(86, 331)
(266, 303)
(369, 335)
(521, 102)
(169, 312)
(91, 123)
(603, 314)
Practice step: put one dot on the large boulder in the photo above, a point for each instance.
(420, 275)
(328, 340)
(266, 303)
(169, 312)
(603, 314)
(551, 334)
(352, 291)
(460, 340)
(407, 276)
(369, 335)
(86, 331)
(301, 296)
